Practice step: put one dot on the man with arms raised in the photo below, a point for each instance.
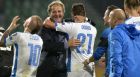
(27, 46)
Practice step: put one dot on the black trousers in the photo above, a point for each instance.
(52, 66)
(50, 73)
(6, 61)
(5, 71)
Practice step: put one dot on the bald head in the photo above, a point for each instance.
(119, 14)
(116, 17)
(33, 23)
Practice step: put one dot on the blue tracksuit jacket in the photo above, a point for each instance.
(124, 43)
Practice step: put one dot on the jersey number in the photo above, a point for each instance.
(83, 37)
(35, 51)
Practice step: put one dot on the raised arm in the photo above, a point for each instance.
(12, 26)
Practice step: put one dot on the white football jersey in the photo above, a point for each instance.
(27, 50)
(133, 20)
(86, 33)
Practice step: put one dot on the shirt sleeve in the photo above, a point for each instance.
(101, 49)
(115, 45)
(64, 27)
(102, 45)
(11, 39)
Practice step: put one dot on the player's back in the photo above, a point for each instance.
(27, 54)
(86, 33)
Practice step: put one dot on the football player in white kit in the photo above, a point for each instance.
(83, 31)
(27, 46)
(131, 8)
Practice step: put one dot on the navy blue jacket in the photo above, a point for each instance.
(103, 45)
(103, 48)
(55, 47)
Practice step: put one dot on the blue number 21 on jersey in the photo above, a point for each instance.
(82, 38)
(35, 51)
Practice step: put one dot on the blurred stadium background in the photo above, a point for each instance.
(25, 8)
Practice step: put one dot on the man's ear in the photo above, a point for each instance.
(116, 20)
(126, 9)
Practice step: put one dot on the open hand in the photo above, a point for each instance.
(14, 24)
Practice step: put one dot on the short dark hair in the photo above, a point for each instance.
(132, 4)
(78, 9)
(111, 7)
